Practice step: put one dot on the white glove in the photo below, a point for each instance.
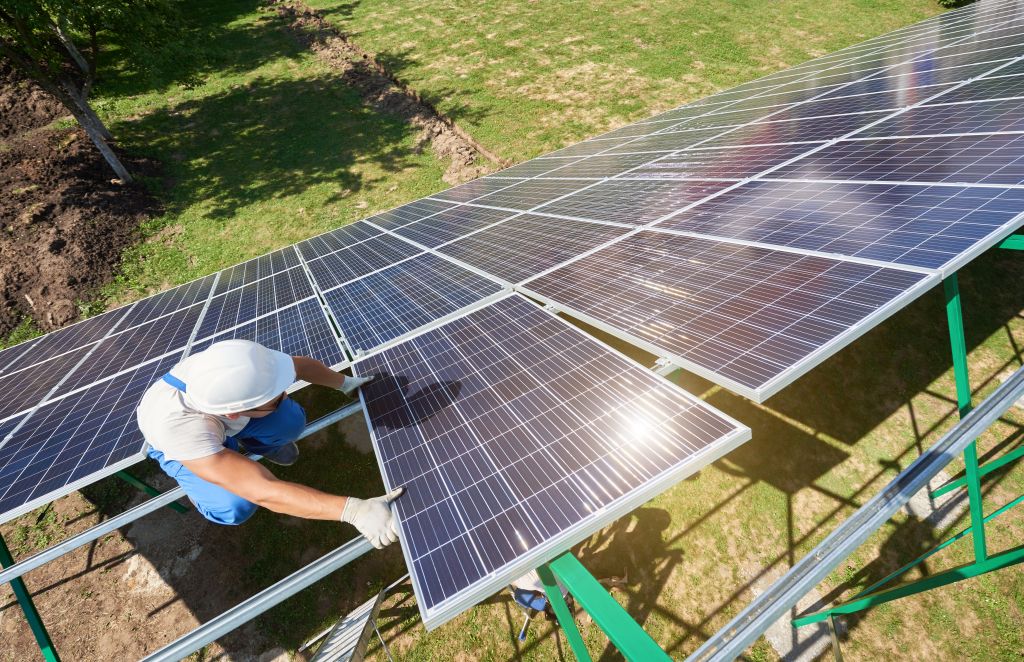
(352, 383)
(373, 517)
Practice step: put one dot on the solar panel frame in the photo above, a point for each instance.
(547, 549)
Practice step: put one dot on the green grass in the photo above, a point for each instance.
(526, 78)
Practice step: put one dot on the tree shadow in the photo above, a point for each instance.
(269, 139)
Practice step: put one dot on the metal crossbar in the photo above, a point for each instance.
(730, 642)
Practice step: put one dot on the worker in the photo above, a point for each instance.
(232, 397)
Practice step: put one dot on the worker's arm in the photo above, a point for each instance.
(251, 481)
(315, 372)
(310, 370)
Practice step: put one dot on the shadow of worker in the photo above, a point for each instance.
(392, 406)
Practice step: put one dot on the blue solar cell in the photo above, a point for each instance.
(335, 240)
(246, 303)
(64, 340)
(795, 130)
(358, 260)
(450, 225)
(634, 202)
(530, 193)
(977, 117)
(1003, 87)
(526, 245)
(27, 386)
(925, 226)
(257, 268)
(661, 142)
(127, 349)
(300, 330)
(724, 163)
(381, 307)
(596, 167)
(745, 316)
(981, 159)
(413, 211)
(73, 439)
(911, 75)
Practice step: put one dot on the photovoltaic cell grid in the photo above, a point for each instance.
(526, 245)
(386, 305)
(976, 117)
(933, 227)
(512, 445)
(633, 202)
(744, 316)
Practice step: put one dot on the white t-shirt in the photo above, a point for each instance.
(173, 426)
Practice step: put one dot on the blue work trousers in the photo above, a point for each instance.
(260, 436)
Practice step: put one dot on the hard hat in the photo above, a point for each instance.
(232, 376)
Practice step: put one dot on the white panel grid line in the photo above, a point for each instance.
(332, 323)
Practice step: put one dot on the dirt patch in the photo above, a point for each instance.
(382, 91)
(64, 222)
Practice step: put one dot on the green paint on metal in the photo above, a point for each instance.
(565, 619)
(991, 564)
(24, 598)
(1013, 242)
(983, 471)
(625, 633)
(954, 316)
(148, 489)
(938, 548)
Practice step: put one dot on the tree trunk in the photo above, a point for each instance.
(93, 128)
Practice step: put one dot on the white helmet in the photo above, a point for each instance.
(235, 375)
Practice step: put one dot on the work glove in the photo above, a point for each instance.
(373, 517)
(352, 383)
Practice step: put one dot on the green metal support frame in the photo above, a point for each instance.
(625, 633)
(148, 489)
(983, 563)
(28, 607)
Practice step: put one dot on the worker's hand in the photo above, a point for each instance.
(351, 384)
(373, 517)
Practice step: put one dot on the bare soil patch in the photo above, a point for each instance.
(64, 221)
(384, 92)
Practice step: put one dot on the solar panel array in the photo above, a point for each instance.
(513, 444)
(746, 236)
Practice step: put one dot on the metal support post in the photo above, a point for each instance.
(958, 344)
(1013, 242)
(148, 489)
(24, 598)
(562, 613)
(625, 633)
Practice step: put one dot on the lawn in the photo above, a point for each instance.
(266, 145)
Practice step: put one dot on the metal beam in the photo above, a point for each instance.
(626, 634)
(263, 601)
(562, 613)
(1013, 242)
(28, 607)
(732, 640)
(983, 471)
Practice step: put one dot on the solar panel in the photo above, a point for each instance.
(526, 245)
(634, 202)
(255, 299)
(394, 302)
(533, 168)
(253, 270)
(358, 260)
(795, 130)
(336, 240)
(413, 211)
(473, 190)
(512, 445)
(452, 224)
(65, 444)
(530, 193)
(167, 302)
(935, 227)
(597, 167)
(722, 163)
(980, 159)
(752, 319)
(661, 142)
(977, 117)
(301, 329)
(67, 339)
(1000, 87)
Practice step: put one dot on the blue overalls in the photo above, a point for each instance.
(261, 435)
